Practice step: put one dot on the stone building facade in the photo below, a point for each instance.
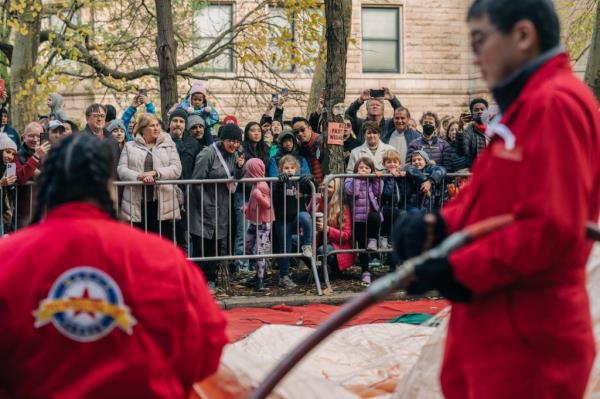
(419, 49)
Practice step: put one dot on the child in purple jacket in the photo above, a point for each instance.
(364, 196)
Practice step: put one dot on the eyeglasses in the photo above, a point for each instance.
(478, 39)
(197, 127)
(301, 130)
(98, 116)
(235, 142)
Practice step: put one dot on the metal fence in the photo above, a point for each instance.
(179, 203)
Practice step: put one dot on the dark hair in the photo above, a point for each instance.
(372, 126)
(367, 161)
(432, 114)
(478, 101)
(401, 108)
(94, 108)
(297, 119)
(262, 151)
(111, 112)
(77, 168)
(74, 127)
(504, 14)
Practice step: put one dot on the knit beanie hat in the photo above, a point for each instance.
(180, 112)
(115, 124)
(231, 132)
(7, 143)
(198, 87)
(194, 120)
(423, 155)
(111, 113)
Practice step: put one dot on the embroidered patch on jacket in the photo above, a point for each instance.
(84, 304)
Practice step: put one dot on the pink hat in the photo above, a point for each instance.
(198, 87)
(230, 119)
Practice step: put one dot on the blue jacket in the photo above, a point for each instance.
(128, 115)
(414, 178)
(211, 118)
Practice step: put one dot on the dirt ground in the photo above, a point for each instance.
(242, 283)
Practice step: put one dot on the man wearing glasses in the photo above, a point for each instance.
(95, 117)
(520, 325)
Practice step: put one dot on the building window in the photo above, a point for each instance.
(210, 21)
(380, 39)
(282, 30)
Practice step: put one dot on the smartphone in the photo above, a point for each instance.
(467, 117)
(285, 91)
(11, 169)
(142, 92)
(376, 93)
(275, 98)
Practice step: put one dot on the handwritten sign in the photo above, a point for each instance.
(335, 133)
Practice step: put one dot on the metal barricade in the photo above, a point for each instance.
(200, 194)
(389, 215)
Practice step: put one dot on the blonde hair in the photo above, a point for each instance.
(288, 159)
(142, 122)
(391, 155)
(336, 206)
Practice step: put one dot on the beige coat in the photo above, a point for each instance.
(166, 164)
(364, 151)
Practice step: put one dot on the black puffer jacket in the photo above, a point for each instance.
(470, 143)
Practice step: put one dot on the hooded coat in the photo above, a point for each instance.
(258, 210)
(166, 164)
(208, 113)
(56, 107)
(273, 168)
(363, 196)
(527, 331)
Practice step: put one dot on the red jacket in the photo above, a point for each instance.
(527, 333)
(312, 152)
(92, 308)
(259, 210)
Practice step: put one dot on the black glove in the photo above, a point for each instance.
(284, 177)
(437, 274)
(413, 234)
(305, 180)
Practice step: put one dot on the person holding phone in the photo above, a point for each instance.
(374, 99)
(8, 173)
(128, 115)
(470, 141)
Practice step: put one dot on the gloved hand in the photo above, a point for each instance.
(284, 177)
(437, 274)
(415, 233)
(305, 179)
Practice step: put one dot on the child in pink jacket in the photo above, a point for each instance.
(260, 215)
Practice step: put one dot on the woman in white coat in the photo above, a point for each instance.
(151, 156)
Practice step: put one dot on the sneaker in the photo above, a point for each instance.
(260, 284)
(366, 278)
(307, 251)
(385, 243)
(286, 282)
(372, 244)
(212, 287)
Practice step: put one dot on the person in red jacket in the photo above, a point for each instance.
(520, 324)
(92, 308)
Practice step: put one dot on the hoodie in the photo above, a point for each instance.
(273, 169)
(56, 107)
(259, 208)
(209, 114)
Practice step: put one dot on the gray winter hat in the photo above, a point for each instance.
(7, 143)
(423, 155)
(115, 124)
(194, 120)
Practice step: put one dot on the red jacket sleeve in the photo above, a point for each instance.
(553, 188)
(25, 171)
(263, 195)
(206, 336)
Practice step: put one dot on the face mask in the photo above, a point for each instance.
(428, 130)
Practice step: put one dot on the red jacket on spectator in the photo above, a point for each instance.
(26, 165)
(92, 308)
(311, 150)
(337, 235)
(527, 332)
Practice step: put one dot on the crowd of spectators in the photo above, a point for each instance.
(397, 166)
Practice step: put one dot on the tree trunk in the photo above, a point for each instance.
(22, 75)
(166, 51)
(592, 72)
(337, 33)
(318, 83)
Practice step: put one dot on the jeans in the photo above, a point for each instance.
(332, 263)
(238, 231)
(287, 229)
